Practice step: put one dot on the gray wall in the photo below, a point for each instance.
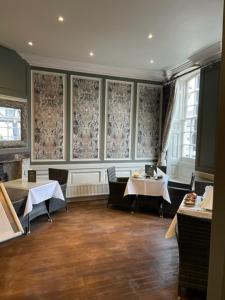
(14, 72)
(15, 82)
(207, 118)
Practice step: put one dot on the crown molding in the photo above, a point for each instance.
(178, 69)
(47, 62)
(200, 57)
(207, 54)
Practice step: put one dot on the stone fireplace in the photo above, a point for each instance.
(11, 166)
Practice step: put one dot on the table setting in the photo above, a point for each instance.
(193, 205)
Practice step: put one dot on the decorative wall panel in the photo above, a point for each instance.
(118, 116)
(85, 118)
(48, 116)
(147, 121)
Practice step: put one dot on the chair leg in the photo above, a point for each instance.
(49, 217)
(67, 209)
(179, 292)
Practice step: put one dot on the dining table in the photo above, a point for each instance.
(38, 191)
(149, 186)
(195, 211)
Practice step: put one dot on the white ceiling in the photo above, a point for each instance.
(116, 30)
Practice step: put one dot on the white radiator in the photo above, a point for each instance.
(87, 190)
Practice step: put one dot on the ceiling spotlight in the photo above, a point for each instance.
(150, 36)
(151, 61)
(60, 19)
(91, 53)
(30, 44)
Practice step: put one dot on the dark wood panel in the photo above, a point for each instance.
(207, 117)
(92, 253)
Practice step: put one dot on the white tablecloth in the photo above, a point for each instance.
(148, 187)
(37, 191)
(195, 211)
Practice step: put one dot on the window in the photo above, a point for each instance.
(10, 124)
(190, 115)
(182, 143)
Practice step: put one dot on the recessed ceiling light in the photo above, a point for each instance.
(31, 44)
(60, 19)
(91, 53)
(150, 36)
(151, 61)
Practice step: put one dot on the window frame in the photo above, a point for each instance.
(184, 118)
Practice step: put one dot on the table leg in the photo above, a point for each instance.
(161, 210)
(134, 204)
(28, 225)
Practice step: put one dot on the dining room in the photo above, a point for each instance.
(110, 149)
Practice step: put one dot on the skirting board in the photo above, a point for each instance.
(88, 198)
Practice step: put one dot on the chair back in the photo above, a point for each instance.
(58, 174)
(111, 172)
(194, 247)
(162, 168)
(201, 185)
(149, 170)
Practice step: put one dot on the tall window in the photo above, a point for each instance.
(182, 144)
(190, 115)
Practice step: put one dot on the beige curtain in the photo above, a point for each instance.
(167, 125)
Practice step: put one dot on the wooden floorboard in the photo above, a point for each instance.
(92, 253)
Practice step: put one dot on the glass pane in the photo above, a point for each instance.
(187, 125)
(194, 124)
(10, 124)
(186, 150)
(191, 99)
(187, 138)
(191, 85)
(192, 151)
(193, 138)
(190, 111)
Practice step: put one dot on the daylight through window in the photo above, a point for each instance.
(10, 124)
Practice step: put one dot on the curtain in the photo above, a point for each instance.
(170, 97)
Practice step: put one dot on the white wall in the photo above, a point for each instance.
(89, 179)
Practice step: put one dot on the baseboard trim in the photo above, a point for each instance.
(87, 198)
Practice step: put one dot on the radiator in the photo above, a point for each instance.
(87, 190)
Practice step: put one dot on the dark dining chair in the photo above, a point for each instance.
(181, 185)
(61, 176)
(177, 191)
(18, 198)
(201, 185)
(193, 238)
(162, 168)
(117, 186)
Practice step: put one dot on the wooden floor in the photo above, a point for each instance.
(91, 253)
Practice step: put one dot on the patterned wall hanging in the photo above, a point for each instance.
(118, 116)
(48, 116)
(147, 121)
(85, 118)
